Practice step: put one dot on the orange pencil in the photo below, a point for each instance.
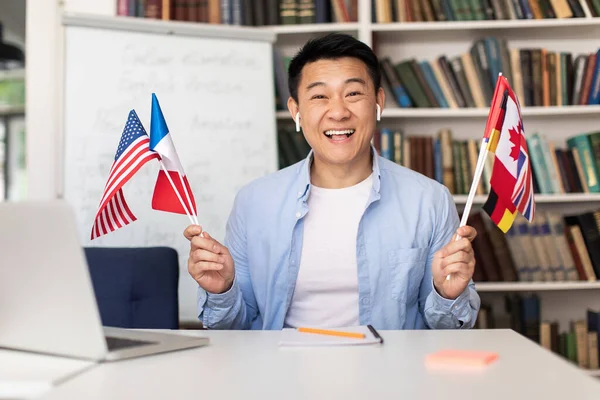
(332, 333)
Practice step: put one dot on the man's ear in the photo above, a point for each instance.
(380, 98)
(292, 107)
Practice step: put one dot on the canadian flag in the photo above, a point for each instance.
(172, 191)
(511, 183)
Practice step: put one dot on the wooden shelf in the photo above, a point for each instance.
(437, 27)
(483, 112)
(540, 198)
(11, 110)
(483, 25)
(312, 28)
(534, 286)
(474, 112)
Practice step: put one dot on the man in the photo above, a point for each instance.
(344, 237)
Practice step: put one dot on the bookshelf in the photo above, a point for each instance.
(564, 301)
(427, 40)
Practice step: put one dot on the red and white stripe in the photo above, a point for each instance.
(113, 212)
(126, 166)
(115, 215)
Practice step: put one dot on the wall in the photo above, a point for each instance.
(42, 83)
(43, 76)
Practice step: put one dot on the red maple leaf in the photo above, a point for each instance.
(515, 139)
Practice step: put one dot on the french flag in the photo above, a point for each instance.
(172, 191)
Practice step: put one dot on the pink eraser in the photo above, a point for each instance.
(469, 358)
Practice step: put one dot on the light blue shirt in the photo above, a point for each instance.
(408, 217)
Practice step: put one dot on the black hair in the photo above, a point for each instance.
(331, 47)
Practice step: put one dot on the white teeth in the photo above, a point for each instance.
(344, 132)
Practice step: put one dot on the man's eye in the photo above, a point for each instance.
(318, 97)
(354, 93)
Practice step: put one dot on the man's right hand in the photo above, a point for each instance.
(209, 263)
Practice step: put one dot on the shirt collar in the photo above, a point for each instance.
(303, 171)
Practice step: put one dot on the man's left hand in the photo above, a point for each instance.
(456, 259)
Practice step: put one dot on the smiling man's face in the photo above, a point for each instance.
(337, 105)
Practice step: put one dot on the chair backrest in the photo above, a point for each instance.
(136, 287)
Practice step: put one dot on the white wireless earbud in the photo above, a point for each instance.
(297, 122)
(378, 113)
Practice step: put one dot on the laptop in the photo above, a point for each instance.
(47, 300)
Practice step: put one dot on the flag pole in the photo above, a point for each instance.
(176, 192)
(483, 152)
(187, 195)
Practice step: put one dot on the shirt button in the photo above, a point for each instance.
(365, 300)
(299, 194)
(298, 214)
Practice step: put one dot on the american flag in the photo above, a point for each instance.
(133, 152)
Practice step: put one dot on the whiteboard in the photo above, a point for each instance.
(216, 90)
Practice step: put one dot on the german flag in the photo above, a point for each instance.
(503, 214)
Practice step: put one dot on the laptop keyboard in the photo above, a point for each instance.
(115, 343)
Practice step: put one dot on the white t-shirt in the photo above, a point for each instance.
(326, 292)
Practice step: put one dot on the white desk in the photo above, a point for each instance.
(27, 375)
(250, 365)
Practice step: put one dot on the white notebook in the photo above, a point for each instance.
(293, 337)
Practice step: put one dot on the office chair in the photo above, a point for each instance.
(136, 287)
